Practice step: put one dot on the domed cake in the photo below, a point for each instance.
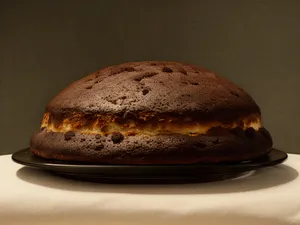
(153, 112)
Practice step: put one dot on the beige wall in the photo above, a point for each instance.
(43, 47)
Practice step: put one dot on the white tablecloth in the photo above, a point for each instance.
(30, 196)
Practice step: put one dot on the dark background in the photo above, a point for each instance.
(45, 46)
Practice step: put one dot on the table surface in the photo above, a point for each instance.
(32, 196)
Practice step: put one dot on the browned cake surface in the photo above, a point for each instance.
(159, 87)
(233, 145)
(149, 113)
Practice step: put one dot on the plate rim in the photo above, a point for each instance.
(248, 163)
(155, 174)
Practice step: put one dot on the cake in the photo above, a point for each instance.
(150, 113)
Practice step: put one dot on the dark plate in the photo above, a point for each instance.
(149, 173)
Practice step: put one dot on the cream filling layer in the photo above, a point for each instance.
(105, 126)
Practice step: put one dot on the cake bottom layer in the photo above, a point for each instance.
(229, 146)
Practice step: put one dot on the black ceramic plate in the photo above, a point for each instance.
(149, 173)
